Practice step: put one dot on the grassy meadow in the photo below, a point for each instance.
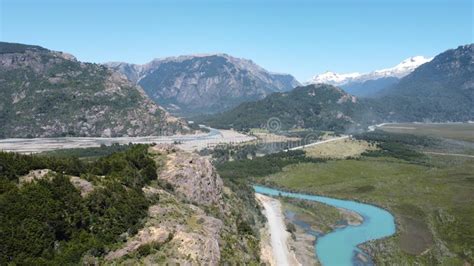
(431, 196)
(433, 202)
(456, 131)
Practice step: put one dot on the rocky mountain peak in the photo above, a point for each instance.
(204, 83)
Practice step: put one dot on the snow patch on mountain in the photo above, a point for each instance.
(399, 71)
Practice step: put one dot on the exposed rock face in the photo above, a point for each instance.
(202, 247)
(195, 221)
(84, 186)
(190, 235)
(204, 83)
(48, 94)
(192, 176)
(148, 235)
(34, 175)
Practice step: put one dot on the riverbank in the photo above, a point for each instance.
(278, 238)
(307, 221)
(338, 247)
(431, 196)
(312, 220)
(432, 204)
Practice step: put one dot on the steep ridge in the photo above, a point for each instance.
(204, 83)
(197, 220)
(46, 93)
(441, 90)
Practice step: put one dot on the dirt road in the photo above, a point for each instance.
(278, 234)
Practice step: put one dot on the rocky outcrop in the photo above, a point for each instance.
(201, 246)
(193, 219)
(84, 186)
(35, 175)
(182, 233)
(148, 235)
(193, 177)
(204, 83)
(48, 94)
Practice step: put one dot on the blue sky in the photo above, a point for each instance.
(293, 36)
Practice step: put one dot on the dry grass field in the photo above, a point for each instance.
(339, 149)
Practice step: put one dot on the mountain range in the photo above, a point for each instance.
(369, 84)
(439, 90)
(46, 93)
(210, 83)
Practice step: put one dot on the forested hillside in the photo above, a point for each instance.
(319, 106)
(123, 204)
(440, 90)
(45, 93)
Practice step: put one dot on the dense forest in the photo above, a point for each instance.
(48, 221)
(397, 145)
(440, 90)
(262, 166)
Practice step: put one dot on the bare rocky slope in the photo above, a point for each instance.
(196, 219)
(204, 83)
(45, 93)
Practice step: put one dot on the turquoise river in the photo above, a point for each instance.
(340, 246)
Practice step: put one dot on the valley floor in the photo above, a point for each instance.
(456, 131)
(425, 180)
(189, 142)
(432, 203)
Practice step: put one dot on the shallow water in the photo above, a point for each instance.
(340, 246)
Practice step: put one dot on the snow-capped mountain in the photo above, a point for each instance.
(333, 78)
(398, 71)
